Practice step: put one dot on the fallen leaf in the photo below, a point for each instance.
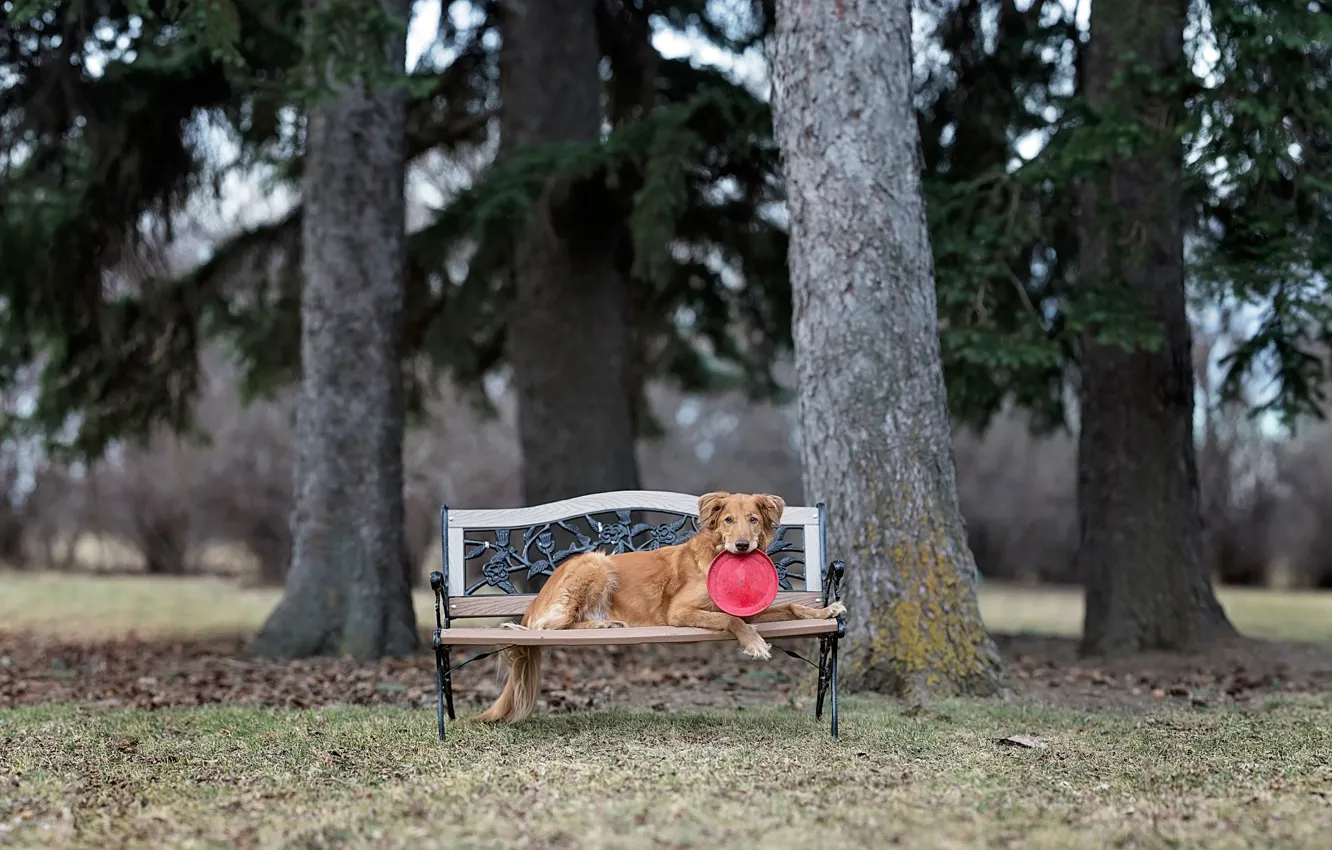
(1024, 741)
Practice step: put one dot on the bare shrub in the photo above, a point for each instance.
(466, 457)
(226, 505)
(1298, 527)
(243, 496)
(143, 494)
(722, 442)
(1019, 498)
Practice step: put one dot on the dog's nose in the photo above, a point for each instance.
(742, 545)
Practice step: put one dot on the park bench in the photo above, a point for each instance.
(495, 560)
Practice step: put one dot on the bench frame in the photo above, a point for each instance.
(454, 599)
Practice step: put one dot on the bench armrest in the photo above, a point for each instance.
(437, 585)
(833, 591)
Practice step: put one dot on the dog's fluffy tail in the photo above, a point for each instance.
(521, 688)
(579, 591)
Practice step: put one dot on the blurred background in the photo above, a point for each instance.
(176, 507)
(992, 78)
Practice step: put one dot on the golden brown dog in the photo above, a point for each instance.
(661, 587)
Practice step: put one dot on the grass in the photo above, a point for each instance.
(148, 606)
(76, 776)
(1296, 615)
(360, 777)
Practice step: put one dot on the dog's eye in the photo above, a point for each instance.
(753, 520)
(728, 520)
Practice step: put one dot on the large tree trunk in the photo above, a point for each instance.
(875, 441)
(348, 588)
(1140, 550)
(570, 340)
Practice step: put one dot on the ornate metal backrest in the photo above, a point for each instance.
(496, 560)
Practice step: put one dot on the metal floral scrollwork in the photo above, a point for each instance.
(786, 555)
(538, 554)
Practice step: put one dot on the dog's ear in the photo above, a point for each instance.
(709, 508)
(771, 507)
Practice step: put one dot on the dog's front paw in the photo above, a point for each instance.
(612, 624)
(761, 650)
(836, 609)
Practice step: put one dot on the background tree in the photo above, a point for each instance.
(349, 586)
(688, 172)
(1140, 548)
(570, 341)
(873, 410)
(689, 194)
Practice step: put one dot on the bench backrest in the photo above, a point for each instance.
(496, 560)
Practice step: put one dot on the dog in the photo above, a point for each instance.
(659, 587)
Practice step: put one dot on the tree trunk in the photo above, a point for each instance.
(875, 441)
(1140, 547)
(348, 588)
(163, 536)
(11, 522)
(569, 337)
(269, 541)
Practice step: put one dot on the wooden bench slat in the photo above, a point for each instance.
(644, 500)
(609, 637)
(514, 605)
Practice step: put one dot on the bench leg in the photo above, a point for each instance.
(824, 678)
(448, 683)
(443, 685)
(440, 675)
(834, 688)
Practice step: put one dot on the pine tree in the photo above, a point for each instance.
(875, 431)
(348, 590)
(569, 337)
(1140, 549)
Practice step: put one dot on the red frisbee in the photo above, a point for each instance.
(742, 585)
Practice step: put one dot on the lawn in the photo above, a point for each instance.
(771, 778)
(168, 740)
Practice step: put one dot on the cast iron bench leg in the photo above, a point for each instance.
(834, 688)
(824, 677)
(441, 678)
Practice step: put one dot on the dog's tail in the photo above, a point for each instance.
(521, 688)
(578, 591)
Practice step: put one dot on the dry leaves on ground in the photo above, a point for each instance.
(159, 673)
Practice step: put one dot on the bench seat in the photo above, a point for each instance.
(618, 637)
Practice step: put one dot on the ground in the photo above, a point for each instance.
(126, 719)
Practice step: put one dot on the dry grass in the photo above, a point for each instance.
(147, 606)
(771, 778)
(1169, 775)
(1297, 615)
(51, 602)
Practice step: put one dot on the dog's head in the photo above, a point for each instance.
(740, 522)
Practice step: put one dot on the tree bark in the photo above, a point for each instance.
(1140, 547)
(875, 441)
(569, 338)
(348, 589)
